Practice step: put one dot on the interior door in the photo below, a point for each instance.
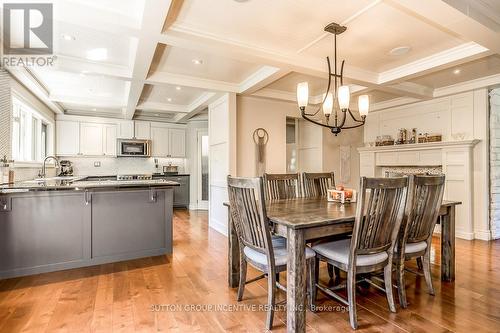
(203, 170)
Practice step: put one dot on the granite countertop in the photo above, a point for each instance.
(79, 183)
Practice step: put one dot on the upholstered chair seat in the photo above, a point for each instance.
(339, 252)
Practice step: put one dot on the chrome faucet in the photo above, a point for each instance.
(43, 174)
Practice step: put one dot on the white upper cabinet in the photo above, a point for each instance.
(126, 129)
(91, 139)
(68, 138)
(109, 135)
(177, 142)
(160, 141)
(143, 130)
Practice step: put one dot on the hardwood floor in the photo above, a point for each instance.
(120, 297)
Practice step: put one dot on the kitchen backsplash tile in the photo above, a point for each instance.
(84, 166)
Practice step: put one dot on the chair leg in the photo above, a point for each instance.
(388, 286)
(243, 278)
(400, 271)
(271, 293)
(330, 270)
(314, 291)
(277, 277)
(311, 274)
(427, 271)
(351, 297)
(419, 263)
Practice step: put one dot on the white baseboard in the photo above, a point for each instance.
(483, 235)
(218, 226)
(464, 235)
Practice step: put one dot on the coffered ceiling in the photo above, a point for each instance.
(168, 59)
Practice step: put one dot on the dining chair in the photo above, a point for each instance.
(281, 186)
(379, 212)
(257, 247)
(425, 196)
(317, 184)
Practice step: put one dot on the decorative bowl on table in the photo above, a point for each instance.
(341, 195)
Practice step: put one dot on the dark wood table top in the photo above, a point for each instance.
(314, 212)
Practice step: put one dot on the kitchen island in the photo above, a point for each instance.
(62, 223)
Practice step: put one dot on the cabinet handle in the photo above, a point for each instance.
(87, 197)
(152, 195)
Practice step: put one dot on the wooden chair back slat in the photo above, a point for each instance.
(425, 198)
(317, 184)
(281, 186)
(380, 210)
(248, 212)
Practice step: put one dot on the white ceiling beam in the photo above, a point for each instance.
(30, 81)
(441, 60)
(198, 105)
(164, 107)
(484, 82)
(152, 24)
(84, 100)
(164, 78)
(440, 14)
(393, 103)
(261, 78)
(409, 89)
(91, 68)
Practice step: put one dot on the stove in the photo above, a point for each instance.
(134, 177)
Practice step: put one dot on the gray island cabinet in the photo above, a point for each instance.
(49, 230)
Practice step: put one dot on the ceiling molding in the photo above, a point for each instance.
(164, 78)
(450, 20)
(345, 22)
(28, 79)
(285, 96)
(164, 107)
(92, 68)
(462, 53)
(152, 24)
(393, 103)
(483, 82)
(261, 78)
(409, 89)
(200, 104)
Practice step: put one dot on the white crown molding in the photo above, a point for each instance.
(92, 68)
(30, 81)
(164, 78)
(488, 81)
(459, 53)
(409, 89)
(198, 105)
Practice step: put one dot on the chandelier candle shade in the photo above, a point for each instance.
(335, 92)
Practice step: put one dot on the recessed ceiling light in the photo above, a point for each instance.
(68, 37)
(98, 54)
(400, 50)
(178, 88)
(457, 71)
(169, 99)
(197, 61)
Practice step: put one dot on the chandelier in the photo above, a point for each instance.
(339, 105)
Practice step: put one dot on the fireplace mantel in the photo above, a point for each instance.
(453, 157)
(421, 146)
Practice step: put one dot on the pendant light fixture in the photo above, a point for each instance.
(336, 99)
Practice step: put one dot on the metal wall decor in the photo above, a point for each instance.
(337, 96)
(260, 137)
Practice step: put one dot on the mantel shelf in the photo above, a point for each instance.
(421, 146)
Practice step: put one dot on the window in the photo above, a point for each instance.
(29, 133)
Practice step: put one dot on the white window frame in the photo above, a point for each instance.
(31, 110)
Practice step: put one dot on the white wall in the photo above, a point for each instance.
(319, 149)
(466, 114)
(222, 140)
(271, 115)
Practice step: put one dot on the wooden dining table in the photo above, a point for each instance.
(304, 219)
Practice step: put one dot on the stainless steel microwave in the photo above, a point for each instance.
(133, 148)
